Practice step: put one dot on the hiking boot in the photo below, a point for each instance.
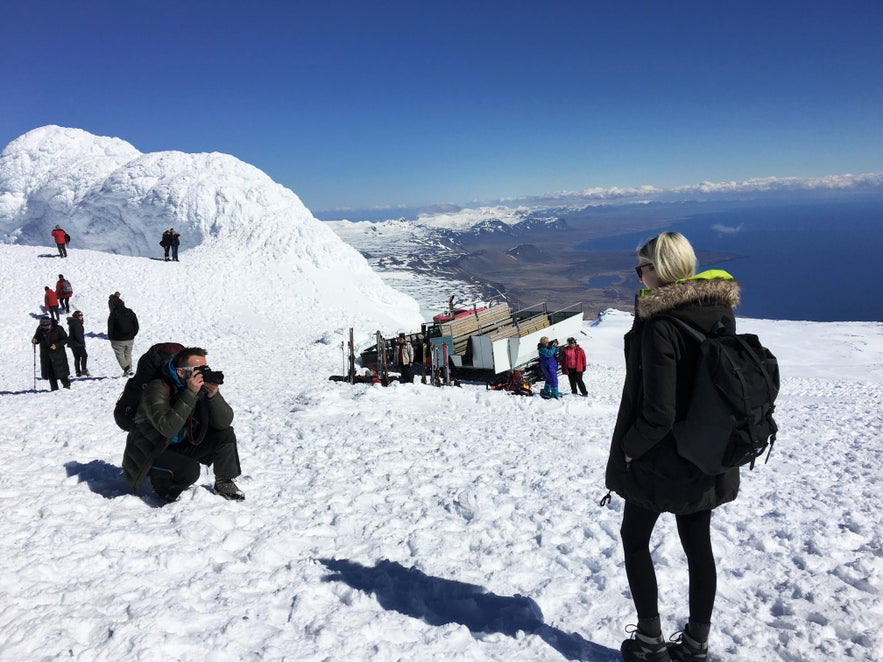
(643, 648)
(227, 489)
(685, 648)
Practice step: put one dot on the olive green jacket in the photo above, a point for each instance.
(160, 418)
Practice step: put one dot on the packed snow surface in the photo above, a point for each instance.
(400, 523)
(409, 522)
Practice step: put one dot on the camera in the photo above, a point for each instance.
(210, 376)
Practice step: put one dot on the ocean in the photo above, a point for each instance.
(818, 262)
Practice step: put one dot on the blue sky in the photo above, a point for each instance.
(361, 104)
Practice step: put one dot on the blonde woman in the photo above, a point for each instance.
(644, 467)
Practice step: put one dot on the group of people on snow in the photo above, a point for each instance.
(122, 323)
(644, 466)
(52, 338)
(405, 358)
(59, 298)
(170, 241)
(182, 420)
(122, 327)
(572, 360)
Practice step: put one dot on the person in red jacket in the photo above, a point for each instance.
(60, 237)
(573, 363)
(51, 302)
(64, 292)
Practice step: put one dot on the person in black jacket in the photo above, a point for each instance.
(166, 244)
(644, 467)
(174, 242)
(53, 358)
(122, 327)
(77, 343)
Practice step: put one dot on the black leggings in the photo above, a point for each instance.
(695, 533)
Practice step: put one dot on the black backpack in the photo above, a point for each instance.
(729, 421)
(149, 367)
(66, 287)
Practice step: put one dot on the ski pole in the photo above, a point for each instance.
(35, 366)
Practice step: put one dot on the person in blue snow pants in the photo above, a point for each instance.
(549, 365)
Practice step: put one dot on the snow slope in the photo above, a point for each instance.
(400, 523)
(409, 522)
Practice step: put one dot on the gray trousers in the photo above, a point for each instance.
(122, 349)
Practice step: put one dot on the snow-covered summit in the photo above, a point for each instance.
(112, 198)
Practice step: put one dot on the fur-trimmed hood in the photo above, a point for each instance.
(709, 288)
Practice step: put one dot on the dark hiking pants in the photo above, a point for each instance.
(177, 467)
(576, 381)
(80, 357)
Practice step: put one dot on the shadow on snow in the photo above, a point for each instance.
(102, 477)
(441, 601)
(106, 479)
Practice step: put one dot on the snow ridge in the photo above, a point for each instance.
(111, 198)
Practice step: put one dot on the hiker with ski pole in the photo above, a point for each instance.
(53, 359)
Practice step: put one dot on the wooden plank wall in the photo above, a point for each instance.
(524, 327)
(476, 322)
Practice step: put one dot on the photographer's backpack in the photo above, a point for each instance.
(729, 421)
(149, 367)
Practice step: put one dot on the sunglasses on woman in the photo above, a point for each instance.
(640, 269)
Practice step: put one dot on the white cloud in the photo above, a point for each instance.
(703, 190)
(727, 229)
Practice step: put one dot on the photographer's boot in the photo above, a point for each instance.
(227, 489)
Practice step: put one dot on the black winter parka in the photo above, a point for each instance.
(53, 362)
(77, 335)
(660, 370)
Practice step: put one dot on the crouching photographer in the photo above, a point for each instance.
(183, 421)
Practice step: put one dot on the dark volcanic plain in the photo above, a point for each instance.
(541, 262)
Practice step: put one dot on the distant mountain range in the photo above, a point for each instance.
(555, 254)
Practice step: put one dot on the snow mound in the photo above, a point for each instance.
(46, 173)
(111, 198)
